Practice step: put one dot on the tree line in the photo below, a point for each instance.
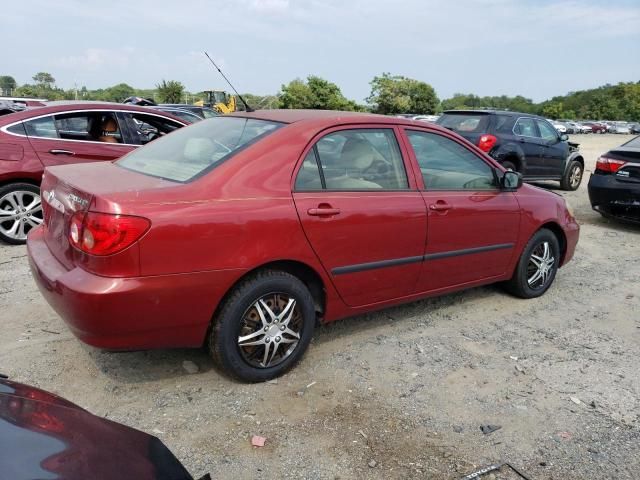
(390, 94)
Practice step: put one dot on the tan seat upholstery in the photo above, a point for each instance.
(357, 155)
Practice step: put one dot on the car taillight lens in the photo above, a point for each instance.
(611, 165)
(486, 142)
(104, 233)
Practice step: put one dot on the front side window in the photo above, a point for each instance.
(526, 127)
(41, 127)
(149, 127)
(547, 131)
(190, 152)
(447, 165)
(361, 159)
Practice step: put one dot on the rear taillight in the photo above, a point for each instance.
(104, 233)
(610, 165)
(486, 142)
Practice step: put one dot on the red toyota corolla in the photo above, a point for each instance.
(241, 231)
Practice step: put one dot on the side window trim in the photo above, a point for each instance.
(316, 155)
(424, 188)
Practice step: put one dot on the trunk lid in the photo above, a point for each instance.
(81, 187)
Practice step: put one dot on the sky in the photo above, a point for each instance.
(535, 48)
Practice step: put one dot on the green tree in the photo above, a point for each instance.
(44, 80)
(117, 93)
(396, 94)
(316, 93)
(7, 84)
(170, 91)
(553, 110)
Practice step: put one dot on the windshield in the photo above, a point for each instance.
(192, 151)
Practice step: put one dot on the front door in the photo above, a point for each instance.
(362, 214)
(555, 151)
(473, 226)
(527, 135)
(75, 137)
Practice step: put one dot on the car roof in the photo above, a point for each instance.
(323, 116)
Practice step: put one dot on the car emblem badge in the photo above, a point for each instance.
(50, 198)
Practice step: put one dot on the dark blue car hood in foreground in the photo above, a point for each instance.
(43, 436)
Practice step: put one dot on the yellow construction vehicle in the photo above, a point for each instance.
(219, 100)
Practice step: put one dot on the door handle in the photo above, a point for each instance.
(440, 206)
(56, 151)
(322, 211)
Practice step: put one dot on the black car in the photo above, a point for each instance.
(614, 186)
(525, 143)
(45, 436)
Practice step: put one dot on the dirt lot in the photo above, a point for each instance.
(396, 394)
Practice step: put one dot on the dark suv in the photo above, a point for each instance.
(525, 143)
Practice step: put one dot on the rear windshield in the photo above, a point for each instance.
(464, 122)
(192, 151)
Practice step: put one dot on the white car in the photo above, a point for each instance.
(620, 129)
(559, 127)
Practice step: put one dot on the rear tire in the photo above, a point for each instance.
(20, 211)
(572, 177)
(264, 327)
(537, 266)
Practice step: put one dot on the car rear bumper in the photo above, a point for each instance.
(614, 198)
(129, 313)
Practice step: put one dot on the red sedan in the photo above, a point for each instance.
(239, 232)
(61, 133)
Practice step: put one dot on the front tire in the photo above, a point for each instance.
(572, 177)
(264, 327)
(537, 266)
(508, 164)
(20, 211)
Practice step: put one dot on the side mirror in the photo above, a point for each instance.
(564, 137)
(510, 180)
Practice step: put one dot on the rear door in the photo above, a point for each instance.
(75, 137)
(362, 213)
(473, 225)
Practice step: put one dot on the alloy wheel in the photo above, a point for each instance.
(576, 176)
(270, 330)
(20, 211)
(541, 266)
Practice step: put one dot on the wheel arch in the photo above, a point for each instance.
(305, 273)
(30, 181)
(556, 229)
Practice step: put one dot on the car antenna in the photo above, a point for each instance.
(246, 105)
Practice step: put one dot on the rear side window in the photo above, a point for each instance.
(464, 122)
(192, 151)
(354, 160)
(447, 165)
(149, 127)
(89, 126)
(41, 127)
(17, 129)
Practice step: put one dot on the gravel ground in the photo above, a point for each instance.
(401, 393)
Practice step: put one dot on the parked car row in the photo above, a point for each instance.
(567, 126)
